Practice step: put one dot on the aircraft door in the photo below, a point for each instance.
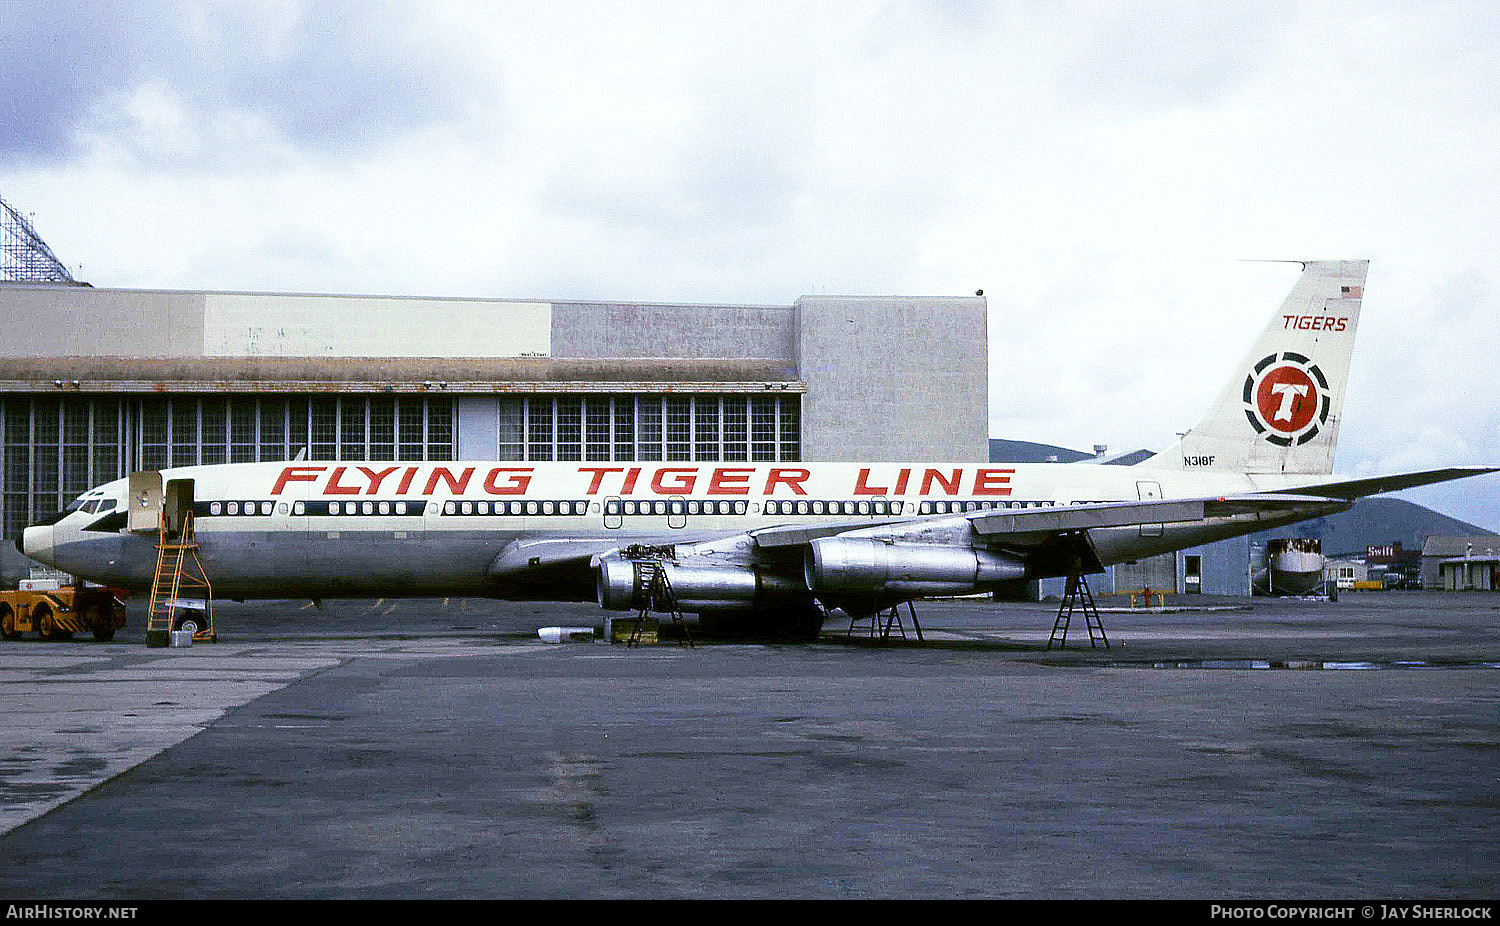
(145, 501)
(1146, 491)
(177, 504)
(613, 511)
(676, 512)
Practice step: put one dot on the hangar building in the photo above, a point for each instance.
(96, 383)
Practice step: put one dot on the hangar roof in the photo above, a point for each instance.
(392, 374)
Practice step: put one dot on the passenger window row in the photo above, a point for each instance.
(251, 508)
(947, 507)
(803, 506)
(679, 506)
(516, 508)
(345, 509)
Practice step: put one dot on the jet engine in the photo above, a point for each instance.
(696, 587)
(858, 566)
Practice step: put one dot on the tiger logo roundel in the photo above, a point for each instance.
(1286, 399)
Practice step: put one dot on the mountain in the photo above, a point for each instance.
(1375, 521)
(1024, 451)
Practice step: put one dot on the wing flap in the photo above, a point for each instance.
(521, 556)
(1064, 518)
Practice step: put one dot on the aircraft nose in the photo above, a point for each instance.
(36, 542)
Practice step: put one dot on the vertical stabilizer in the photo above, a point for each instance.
(1280, 411)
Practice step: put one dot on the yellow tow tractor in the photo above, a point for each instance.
(57, 611)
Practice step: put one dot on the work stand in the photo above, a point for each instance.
(1077, 597)
(892, 618)
(654, 591)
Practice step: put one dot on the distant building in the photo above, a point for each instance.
(1461, 563)
(1344, 573)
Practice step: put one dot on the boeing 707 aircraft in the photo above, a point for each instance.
(766, 545)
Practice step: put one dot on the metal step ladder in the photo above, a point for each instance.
(654, 591)
(179, 571)
(1077, 596)
(892, 619)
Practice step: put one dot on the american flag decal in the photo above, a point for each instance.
(1351, 292)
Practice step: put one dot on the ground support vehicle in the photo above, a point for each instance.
(57, 611)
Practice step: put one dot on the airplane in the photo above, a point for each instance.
(768, 546)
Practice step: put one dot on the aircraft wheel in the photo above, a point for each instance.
(192, 623)
(805, 622)
(8, 623)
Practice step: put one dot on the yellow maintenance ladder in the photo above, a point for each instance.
(179, 570)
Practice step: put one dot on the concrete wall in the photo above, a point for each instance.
(79, 321)
(61, 321)
(259, 325)
(894, 378)
(624, 330)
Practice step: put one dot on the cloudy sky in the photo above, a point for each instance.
(1103, 171)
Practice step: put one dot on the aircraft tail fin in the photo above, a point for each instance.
(1280, 411)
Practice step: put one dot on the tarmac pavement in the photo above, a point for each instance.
(1280, 749)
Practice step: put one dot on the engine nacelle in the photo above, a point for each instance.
(696, 587)
(859, 565)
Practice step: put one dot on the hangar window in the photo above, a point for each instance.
(762, 428)
(569, 428)
(649, 427)
(597, 417)
(679, 428)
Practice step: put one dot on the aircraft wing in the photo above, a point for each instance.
(1010, 525)
(1037, 523)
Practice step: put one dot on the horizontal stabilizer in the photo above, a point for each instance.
(1350, 489)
